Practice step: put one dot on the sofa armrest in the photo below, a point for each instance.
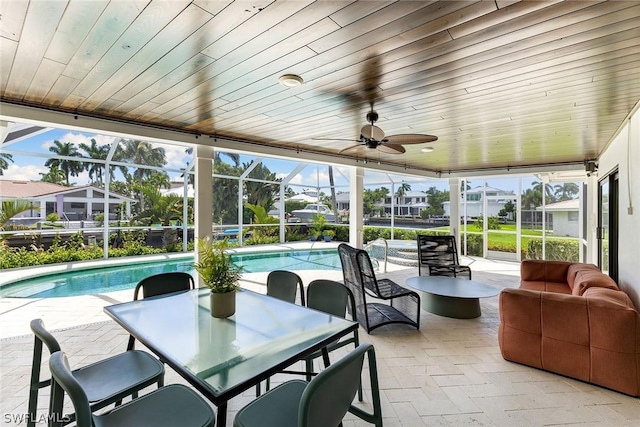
(519, 333)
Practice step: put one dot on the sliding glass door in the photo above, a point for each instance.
(608, 225)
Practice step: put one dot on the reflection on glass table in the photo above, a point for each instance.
(223, 357)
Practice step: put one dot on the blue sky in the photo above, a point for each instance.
(30, 167)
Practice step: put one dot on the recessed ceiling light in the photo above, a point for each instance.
(427, 149)
(290, 80)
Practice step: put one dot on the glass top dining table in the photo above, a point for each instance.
(222, 358)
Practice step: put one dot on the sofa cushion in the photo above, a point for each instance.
(588, 278)
(615, 357)
(544, 271)
(565, 335)
(560, 288)
(607, 297)
(577, 267)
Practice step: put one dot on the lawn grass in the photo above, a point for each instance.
(506, 236)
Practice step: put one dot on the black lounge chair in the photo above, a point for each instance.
(438, 256)
(403, 305)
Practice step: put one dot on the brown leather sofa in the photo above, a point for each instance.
(571, 319)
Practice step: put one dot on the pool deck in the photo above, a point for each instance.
(449, 373)
(16, 313)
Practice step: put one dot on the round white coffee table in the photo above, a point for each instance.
(451, 297)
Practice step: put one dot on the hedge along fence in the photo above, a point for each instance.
(372, 233)
(555, 250)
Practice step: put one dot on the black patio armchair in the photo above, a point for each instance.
(402, 305)
(438, 256)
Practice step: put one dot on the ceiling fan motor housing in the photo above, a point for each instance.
(371, 143)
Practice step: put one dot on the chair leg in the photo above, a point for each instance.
(33, 405)
(132, 343)
(35, 384)
(56, 402)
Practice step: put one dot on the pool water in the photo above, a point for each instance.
(117, 278)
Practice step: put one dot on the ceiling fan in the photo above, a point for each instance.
(371, 136)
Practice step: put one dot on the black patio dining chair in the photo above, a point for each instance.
(438, 256)
(161, 284)
(105, 382)
(401, 304)
(284, 285)
(169, 406)
(333, 298)
(322, 402)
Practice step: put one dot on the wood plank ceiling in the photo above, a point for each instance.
(501, 83)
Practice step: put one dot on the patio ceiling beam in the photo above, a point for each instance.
(120, 128)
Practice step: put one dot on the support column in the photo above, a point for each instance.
(454, 210)
(356, 206)
(203, 204)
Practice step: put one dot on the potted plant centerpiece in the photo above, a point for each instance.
(219, 274)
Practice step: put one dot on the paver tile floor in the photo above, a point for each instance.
(448, 373)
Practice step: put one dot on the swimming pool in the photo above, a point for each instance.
(117, 278)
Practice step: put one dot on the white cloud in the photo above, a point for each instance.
(176, 156)
(79, 138)
(295, 180)
(24, 173)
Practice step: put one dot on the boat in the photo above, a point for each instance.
(312, 209)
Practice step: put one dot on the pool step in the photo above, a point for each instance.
(400, 255)
(403, 261)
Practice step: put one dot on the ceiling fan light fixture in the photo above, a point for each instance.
(426, 149)
(290, 80)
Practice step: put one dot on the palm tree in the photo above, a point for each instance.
(402, 190)
(566, 191)
(334, 202)
(54, 176)
(261, 193)
(5, 158)
(141, 153)
(235, 158)
(537, 188)
(67, 166)
(99, 152)
(161, 208)
(11, 208)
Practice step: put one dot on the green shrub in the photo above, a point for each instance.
(493, 223)
(53, 217)
(475, 244)
(258, 239)
(556, 250)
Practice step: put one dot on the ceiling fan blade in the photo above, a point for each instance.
(391, 148)
(350, 148)
(410, 138)
(372, 132)
(336, 139)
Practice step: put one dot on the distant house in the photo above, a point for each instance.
(475, 201)
(410, 204)
(565, 217)
(70, 203)
(176, 188)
